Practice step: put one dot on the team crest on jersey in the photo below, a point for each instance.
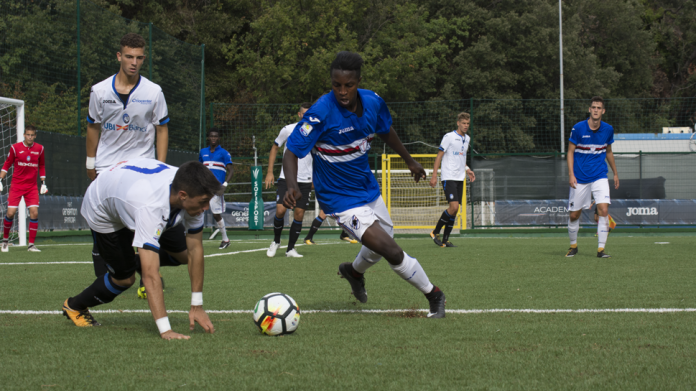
(364, 146)
(28, 158)
(355, 223)
(306, 129)
(126, 118)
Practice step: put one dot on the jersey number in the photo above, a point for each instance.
(160, 167)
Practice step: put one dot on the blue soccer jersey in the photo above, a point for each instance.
(339, 141)
(216, 161)
(589, 160)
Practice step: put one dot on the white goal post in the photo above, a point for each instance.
(8, 123)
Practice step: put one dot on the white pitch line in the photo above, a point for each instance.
(44, 263)
(472, 311)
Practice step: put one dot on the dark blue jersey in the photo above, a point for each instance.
(216, 161)
(339, 141)
(589, 159)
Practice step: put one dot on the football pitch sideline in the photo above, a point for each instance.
(520, 316)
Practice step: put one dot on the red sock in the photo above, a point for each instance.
(33, 227)
(6, 227)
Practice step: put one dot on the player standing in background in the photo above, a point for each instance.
(453, 154)
(338, 130)
(128, 110)
(589, 149)
(219, 161)
(132, 205)
(304, 178)
(28, 160)
(318, 221)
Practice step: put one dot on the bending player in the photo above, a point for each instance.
(452, 153)
(219, 161)
(589, 150)
(338, 130)
(28, 160)
(132, 205)
(303, 177)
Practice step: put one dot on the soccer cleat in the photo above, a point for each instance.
(309, 242)
(293, 254)
(272, 250)
(5, 246)
(214, 234)
(436, 239)
(347, 238)
(437, 303)
(224, 244)
(142, 293)
(80, 318)
(602, 254)
(571, 252)
(33, 249)
(448, 244)
(357, 284)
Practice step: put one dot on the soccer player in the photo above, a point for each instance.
(132, 204)
(452, 154)
(338, 130)
(318, 221)
(219, 161)
(304, 178)
(129, 111)
(28, 160)
(589, 148)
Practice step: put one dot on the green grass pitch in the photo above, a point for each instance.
(380, 350)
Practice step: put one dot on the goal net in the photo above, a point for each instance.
(414, 206)
(12, 131)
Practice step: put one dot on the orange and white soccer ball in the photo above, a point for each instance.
(277, 314)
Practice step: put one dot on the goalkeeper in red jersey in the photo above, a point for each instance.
(28, 160)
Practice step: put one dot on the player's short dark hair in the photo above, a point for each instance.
(305, 105)
(597, 99)
(347, 61)
(132, 40)
(196, 179)
(215, 130)
(30, 127)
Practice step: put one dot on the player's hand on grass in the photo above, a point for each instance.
(572, 181)
(92, 174)
(417, 170)
(269, 179)
(291, 198)
(616, 181)
(197, 315)
(170, 334)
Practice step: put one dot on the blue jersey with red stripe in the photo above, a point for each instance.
(339, 141)
(589, 159)
(216, 161)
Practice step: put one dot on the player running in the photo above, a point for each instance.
(132, 204)
(338, 130)
(28, 160)
(452, 154)
(304, 178)
(219, 161)
(126, 112)
(589, 149)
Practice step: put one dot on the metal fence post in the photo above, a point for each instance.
(202, 105)
(471, 136)
(149, 44)
(640, 174)
(79, 84)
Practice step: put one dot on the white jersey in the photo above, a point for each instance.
(454, 160)
(127, 128)
(134, 194)
(304, 165)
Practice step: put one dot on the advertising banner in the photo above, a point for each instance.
(256, 207)
(236, 215)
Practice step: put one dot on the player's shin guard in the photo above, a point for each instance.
(573, 227)
(100, 267)
(295, 229)
(33, 228)
(313, 229)
(221, 227)
(278, 223)
(6, 227)
(602, 231)
(442, 222)
(103, 290)
(448, 229)
(411, 271)
(366, 258)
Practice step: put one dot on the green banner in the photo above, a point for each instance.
(256, 204)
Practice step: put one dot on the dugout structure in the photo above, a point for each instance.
(411, 205)
(12, 131)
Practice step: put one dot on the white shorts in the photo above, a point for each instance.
(581, 196)
(357, 220)
(217, 205)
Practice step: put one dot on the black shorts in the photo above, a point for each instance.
(305, 189)
(116, 248)
(454, 190)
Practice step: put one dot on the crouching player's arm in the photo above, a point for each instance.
(194, 243)
(150, 262)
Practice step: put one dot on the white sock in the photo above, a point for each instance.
(365, 259)
(573, 227)
(411, 271)
(221, 226)
(602, 231)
